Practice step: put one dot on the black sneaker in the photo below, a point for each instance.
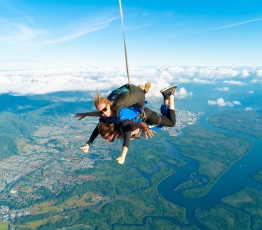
(166, 92)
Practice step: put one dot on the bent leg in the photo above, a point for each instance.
(164, 110)
(169, 120)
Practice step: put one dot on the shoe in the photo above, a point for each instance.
(166, 92)
(147, 87)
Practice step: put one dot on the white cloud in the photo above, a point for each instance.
(258, 79)
(182, 93)
(211, 29)
(13, 33)
(221, 102)
(232, 82)
(236, 102)
(254, 81)
(200, 75)
(250, 92)
(16, 32)
(89, 79)
(248, 109)
(202, 81)
(245, 73)
(47, 81)
(218, 72)
(259, 72)
(80, 32)
(222, 89)
(239, 23)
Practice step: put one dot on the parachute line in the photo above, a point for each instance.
(121, 15)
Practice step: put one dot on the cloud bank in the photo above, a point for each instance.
(89, 79)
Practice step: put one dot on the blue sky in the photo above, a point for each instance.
(88, 33)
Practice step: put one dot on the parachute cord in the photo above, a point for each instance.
(127, 69)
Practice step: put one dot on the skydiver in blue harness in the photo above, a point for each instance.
(129, 115)
(110, 131)
(125, 96)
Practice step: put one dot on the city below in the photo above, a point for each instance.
(49, 157)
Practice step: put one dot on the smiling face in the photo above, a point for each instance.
(109, 137)
(103, 105)
(104, 109)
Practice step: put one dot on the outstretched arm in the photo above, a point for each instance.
(121, 159)
(126, 128)
(88, 114)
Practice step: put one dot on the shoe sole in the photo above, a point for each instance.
(168, 88)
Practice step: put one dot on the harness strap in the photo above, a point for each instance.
(145, 113)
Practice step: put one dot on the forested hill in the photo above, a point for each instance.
(11, 128)
(8, 148)
(19, 104)
(21, 115)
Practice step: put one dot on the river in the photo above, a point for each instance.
(238, 177)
